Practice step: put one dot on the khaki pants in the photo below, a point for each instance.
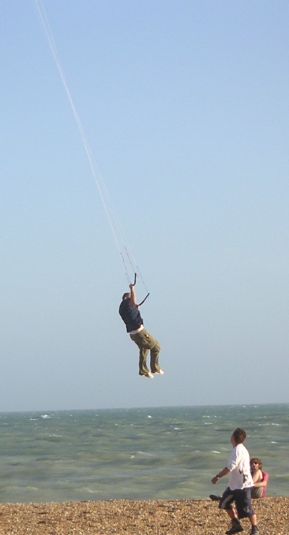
(146, 342)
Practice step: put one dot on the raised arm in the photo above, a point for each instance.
(133, 294)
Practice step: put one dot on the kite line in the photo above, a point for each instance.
(129, 263)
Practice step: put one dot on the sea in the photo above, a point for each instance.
(138, 454)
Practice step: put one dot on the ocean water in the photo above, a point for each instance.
(155, 453)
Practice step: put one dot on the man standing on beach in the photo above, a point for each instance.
(130, 314)
(240, 485)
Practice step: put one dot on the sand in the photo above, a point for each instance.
(126, 517)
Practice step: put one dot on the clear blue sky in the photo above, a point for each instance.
(185, 105)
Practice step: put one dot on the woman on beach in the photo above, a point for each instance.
(260, 478)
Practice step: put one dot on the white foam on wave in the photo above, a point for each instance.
(88, 490)
(269, 424)
(144, 453)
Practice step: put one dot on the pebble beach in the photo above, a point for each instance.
(126, 517)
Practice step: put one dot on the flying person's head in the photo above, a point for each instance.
(238, 436)
(126, 295)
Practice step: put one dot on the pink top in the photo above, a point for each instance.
(265, 480)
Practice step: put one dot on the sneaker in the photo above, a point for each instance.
(149, 375)
(254, 531)
(236, 528)
(159, 372)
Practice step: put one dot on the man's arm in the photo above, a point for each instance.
(132, 294)
(223, 472)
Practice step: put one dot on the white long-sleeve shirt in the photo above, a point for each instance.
(239, 466)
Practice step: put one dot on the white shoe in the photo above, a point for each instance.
(160, 372)
(149, 375)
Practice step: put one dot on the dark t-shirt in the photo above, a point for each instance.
(130, 315)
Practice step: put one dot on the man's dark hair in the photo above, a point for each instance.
(239, 435)
(126, 295)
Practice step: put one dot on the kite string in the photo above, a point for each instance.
(133, 264)
(96, 174)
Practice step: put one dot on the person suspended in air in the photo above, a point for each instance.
(130, 314)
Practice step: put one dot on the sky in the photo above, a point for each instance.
(184, 105)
